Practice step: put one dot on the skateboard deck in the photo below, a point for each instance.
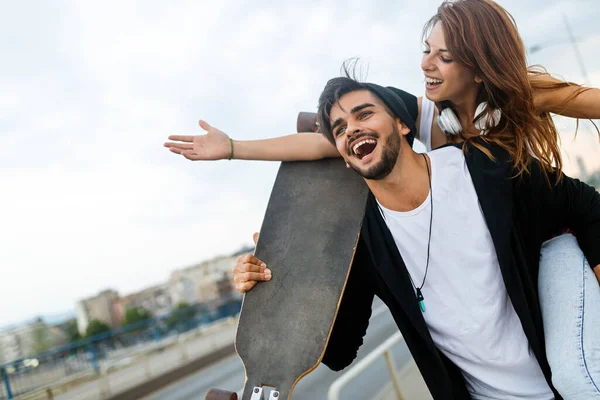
(308, 239)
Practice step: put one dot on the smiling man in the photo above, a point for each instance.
(460, 281)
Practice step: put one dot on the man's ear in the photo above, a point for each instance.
(402, 128)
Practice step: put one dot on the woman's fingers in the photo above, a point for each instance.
(186, 146)
(182, 138)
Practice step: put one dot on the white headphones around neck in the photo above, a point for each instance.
(450, 124)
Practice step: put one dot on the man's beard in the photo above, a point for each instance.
(389, 155)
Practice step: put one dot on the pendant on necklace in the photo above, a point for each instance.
(421, 300)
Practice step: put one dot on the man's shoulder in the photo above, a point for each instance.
(446, 158)
(483, 154)
(484, 160)
(482, 146)
(479, 146)
(446, 150)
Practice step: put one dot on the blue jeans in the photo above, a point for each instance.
(570, 301)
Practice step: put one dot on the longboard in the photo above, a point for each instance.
(308, 239)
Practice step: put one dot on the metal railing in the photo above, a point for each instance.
(384, 350)
(88, 357)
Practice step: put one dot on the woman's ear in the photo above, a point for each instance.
(478, 79)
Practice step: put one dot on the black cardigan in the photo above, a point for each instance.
(520, 212)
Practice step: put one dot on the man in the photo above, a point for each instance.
(451, 244)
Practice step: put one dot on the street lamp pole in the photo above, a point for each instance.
(576, 49)
(573, 41)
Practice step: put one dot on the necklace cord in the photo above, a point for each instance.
(430, 220)
(418, 289)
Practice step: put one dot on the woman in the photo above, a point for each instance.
(568, 290)
(461, 75)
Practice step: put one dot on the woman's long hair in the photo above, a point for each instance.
(483, 36)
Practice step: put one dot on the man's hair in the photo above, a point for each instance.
(336, 88)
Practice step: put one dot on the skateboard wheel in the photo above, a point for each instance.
(218, 394)
(307, 122)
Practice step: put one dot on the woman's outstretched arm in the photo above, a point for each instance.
(564, 98)
(550, 95)
(217, 145)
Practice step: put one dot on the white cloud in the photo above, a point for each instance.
(89, 92)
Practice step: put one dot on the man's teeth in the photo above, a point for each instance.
(365, 141)
(433, 81)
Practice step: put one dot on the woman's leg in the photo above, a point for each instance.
(570, 300)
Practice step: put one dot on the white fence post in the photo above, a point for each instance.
(393, 374)
(104, 383)
(336, 387)
(146, 361)
(181, 340)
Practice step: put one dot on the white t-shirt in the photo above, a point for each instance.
(468, 310)
(427, 111)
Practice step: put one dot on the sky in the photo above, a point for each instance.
(89, 92)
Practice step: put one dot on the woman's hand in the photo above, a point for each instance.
(214, 145)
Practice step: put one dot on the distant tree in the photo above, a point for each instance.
(136, 314)
(41, 339)
(594, 179)
(96, 327)
(73, 331)
(184, 310)
(181, 316)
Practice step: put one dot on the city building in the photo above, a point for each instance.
(155, 299)
(100, 307)
(200, 283)
(204, 282)
(29, 339)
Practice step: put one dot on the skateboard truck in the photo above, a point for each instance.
(258, 394)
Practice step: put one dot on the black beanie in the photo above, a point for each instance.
(396, 106)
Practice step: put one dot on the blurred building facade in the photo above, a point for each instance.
(100, 307)
(155, 299)
(200, 283)
(204, 282)
(29, 339)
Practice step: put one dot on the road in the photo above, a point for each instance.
(229, 373)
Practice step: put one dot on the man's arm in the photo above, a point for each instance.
(571, 204)
(353, 315)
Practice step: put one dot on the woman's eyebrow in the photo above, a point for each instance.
(440, 50)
